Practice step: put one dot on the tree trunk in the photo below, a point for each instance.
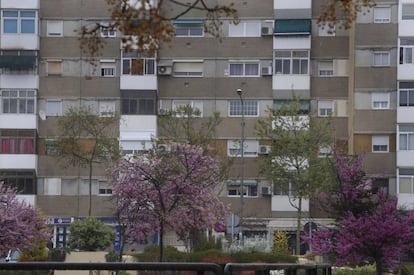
(298, 226)
(161, 242)
(90, 189)
(378, 268)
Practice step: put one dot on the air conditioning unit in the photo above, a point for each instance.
(266, 191)
(264, 149)
(162, 111)
(164, 147)
(164, 70)
(267, 70)
(267, 30)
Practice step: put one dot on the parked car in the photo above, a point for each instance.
(13, 255)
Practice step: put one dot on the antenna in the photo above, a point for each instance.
(42, 115)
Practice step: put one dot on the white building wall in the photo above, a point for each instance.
(18, 121)
(18, 161)
(281, 203)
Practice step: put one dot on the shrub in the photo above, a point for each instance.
(90, 235)
(359, 270)
(150, 254)
(243, 257)
(57, 254)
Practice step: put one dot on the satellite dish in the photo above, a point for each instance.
(42, 115)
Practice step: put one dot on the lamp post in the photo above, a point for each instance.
(240, 93)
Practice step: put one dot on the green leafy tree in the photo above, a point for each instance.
(294, 164)
(280, 243)
(87, 139)
(90, 234)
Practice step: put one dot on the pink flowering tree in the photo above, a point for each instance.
(369, 227)
(168, 190)
(21, 224)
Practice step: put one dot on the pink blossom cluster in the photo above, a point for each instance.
(173, 190)
(20, 223)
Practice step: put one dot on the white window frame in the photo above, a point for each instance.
(247, 191)
(380, 143)
(410, 103)
(149, 64)
(107, 108)
(54, 28)
(52, 186)
(106, 31)
(325, 108)
(18, 98)
(408, 135)
(19, 21)
(245, 28)
(191, 68)
(57, 107)
(107, 68)
(244, 69)
(286, 59)
(380, 101)
(382, 14)
(326, 68)
(189, 28)
(251, 108)
(383, 57)
(251, 148)
(104, 188)
(195, 104)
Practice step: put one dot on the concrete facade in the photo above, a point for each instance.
(355, 75)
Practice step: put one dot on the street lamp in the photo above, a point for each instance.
(240, 93)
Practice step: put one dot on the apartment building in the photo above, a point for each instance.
(361, 77)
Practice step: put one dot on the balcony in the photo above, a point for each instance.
(18, 161)
(281, 203)
(405, 114)
(20, 4)
(291, 82)
(141, 82)
(18, 121)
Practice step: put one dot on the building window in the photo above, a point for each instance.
(405, 185)
(107, 68)
(18, 60)
(134, 63)
(406, 137)
(23, 181)
(196, 105)
(106, 108)
(186, 28)
(250, 148)
(54, 27)
(291, 62)
(285, 104)
(54, 67)
(18, 141)
(188, 69)
(286, 189)
(381, 58)
(249, 189)
(325, 68)
(407, 11)
(406, 98)
(406, 50)
(245, 29)
(380, 100)
(23, 22)
(52, 147)
(244, 69)
(138, 102)
(54, 107)
(105, 188)
(18, 101)
(107, 31)
(382, 14)
(251, 108)
(325, 108)
(380, 144)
